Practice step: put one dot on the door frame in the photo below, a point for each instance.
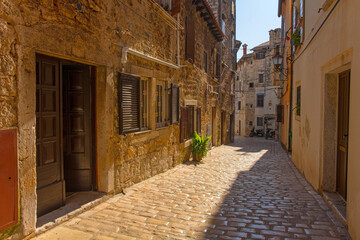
(93, 119)
(338, 145)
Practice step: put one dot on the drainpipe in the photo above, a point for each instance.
(291, 88)
(220, 52)
(178, 39)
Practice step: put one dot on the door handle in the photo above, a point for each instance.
(346, 135)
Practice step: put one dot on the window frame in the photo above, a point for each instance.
(239, 105)
(262, 77)
(132, 81)
(298, 100)
(163, 85)
(260, 100)
(257, 121)
(205, 61)
(144, 111)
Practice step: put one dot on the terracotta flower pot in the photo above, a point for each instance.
(197, 158)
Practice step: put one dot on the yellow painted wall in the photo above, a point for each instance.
(334, 49)
(285, 99)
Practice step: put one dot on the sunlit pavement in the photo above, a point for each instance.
(248, 190)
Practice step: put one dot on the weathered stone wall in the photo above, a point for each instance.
(8, 73)
(94, 32)
(249, 69)
(90, 32)
(228, 67)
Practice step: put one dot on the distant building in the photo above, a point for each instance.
(258, 87)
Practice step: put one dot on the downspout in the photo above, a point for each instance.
(220, 52)
(291, 85)
(178, 39)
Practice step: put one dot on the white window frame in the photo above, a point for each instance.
(162, 122)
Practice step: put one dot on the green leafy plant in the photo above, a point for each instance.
(199, 146)
(296, 37)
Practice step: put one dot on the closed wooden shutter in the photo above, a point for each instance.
(280, 113)
(198, 120)
(176, 7)
(217, 65)
(174, 104)
(190, 127)
(129, 103)
(190, 38)
(183, 123)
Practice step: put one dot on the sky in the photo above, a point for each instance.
(254, 20)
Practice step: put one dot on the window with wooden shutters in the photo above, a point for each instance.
(129, 103)
(190, 122)
(174, 103)
(298, 100)
(187, 123)
(183, 123)
(190, 38)
(217, 65)
(260, 100)
(162, 112)
(280, 113)
(205, 62)
(144, 105)
(198, 120)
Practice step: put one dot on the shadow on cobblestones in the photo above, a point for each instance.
(248, 190)
(189, 163)
(267, 200)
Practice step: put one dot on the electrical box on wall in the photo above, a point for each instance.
(8, 178)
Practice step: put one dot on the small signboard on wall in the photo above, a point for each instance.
(8, 178)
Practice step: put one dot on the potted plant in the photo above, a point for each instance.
(296, 38)
(199, 147)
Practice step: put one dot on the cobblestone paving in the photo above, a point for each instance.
(249, 190)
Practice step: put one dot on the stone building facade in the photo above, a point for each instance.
(99, 95)
(258, 82)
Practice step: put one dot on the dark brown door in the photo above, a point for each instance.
(77, 128)
(239, 127)
(343, 133)
(50, 182)
(222, 127)
(213, 124)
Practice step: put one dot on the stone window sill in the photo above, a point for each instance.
(142, 132)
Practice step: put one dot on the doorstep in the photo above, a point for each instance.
(77, 203)
(337, 204)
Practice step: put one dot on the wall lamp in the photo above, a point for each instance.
(278, 64)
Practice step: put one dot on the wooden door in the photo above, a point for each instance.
(222, 127)
(8, 178)
(77, 128)
(239, 127)
(50, 181)
(343, 133)
(213, 126)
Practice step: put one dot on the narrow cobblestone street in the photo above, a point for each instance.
(248, 190)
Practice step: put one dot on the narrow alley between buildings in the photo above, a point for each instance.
(247, 190)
